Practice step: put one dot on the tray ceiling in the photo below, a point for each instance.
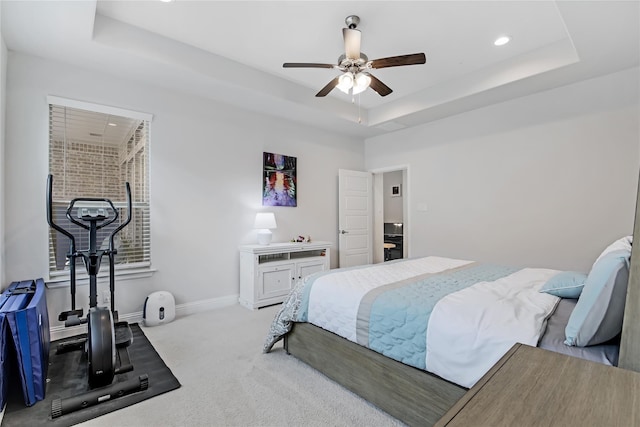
(233, 51)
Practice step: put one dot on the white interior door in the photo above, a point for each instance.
(355, 214)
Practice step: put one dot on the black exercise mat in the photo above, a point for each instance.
(68, 377)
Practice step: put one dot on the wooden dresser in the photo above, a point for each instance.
(534, 387)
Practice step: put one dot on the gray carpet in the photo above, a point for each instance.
(228, 381)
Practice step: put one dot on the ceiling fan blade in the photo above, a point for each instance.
(352, 38)
(306, 65)
(396, 61)
(378, 86)
(328, 88)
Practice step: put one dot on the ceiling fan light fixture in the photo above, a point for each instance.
(359, 89)
(361, 83)
(345, 82)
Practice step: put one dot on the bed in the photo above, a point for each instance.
(418, 386)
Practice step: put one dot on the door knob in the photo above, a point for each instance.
(343, 232)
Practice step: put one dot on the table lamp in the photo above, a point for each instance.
(264, 222)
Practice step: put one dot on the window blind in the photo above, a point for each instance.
(93, 154)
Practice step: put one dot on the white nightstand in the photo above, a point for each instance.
(269, 272)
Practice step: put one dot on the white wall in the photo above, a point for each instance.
(206, 177)
(544, 180)
(3, 94)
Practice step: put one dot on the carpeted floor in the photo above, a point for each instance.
(67, 378)
(228, 381)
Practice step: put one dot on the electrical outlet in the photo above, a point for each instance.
(106, 297)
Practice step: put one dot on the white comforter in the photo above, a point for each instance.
(470, 330)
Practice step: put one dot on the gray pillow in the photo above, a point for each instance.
(598, 314)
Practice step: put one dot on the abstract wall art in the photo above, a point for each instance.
(279, 180)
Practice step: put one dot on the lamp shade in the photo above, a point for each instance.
(265, 220)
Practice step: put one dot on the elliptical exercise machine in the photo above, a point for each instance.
(107, 338)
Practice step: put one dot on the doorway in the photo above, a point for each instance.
(390, 222)
(361, 216)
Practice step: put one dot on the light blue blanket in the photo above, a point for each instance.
(393, 319)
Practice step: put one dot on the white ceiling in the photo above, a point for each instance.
(233, 51)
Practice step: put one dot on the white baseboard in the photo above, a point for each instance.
(59, 332)
(205, 305)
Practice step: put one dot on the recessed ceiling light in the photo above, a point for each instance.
(501, 41)
(166, 1)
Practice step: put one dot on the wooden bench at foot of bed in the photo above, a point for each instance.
(411, 395)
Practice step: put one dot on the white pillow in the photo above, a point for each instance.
(622, 244)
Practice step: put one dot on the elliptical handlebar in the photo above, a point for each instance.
(124, 224)
(86, 227)
(72, 251)
(50, 214)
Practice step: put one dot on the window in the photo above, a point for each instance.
(93, 151)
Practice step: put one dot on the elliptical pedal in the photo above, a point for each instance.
(72, 345)
(77, 314)
(124, 336)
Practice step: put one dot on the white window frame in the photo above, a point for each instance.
(130, 270)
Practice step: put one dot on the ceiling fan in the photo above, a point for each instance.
(355, 65)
